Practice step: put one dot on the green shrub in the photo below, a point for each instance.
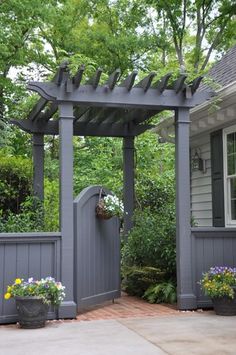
(15, 182)
(151, 244)
(164, 292)
(29, 219)
(152, 241)
(136, 280)
(156, 194)
(51, 205)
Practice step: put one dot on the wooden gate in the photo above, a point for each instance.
(97, 252)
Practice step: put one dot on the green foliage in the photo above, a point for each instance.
(98, 161)
(211, 29)
(157, 193)
(29, 219)
(32, 216)
(164, 292)
(15, 183)
(152, 241)
(51, 205)
(136, 280)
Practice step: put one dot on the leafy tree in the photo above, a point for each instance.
(193, 28)
(144, 34)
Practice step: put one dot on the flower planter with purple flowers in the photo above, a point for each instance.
(33, 298)
(219, 283)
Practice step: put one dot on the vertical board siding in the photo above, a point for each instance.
(211, 247)
(97, 252)
(201, 191)
(25, 255)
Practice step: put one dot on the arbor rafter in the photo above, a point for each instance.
(117, 108)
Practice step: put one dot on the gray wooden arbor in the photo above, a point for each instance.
(114, 109)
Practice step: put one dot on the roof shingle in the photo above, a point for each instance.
(224, 71)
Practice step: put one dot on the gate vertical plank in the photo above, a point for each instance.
(34, 261)
(47, 260)
(10, 273)
(22, 261)
(2, 272)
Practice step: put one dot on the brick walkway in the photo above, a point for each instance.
(126, 307)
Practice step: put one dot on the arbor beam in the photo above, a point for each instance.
(88, 95)
(84, 129)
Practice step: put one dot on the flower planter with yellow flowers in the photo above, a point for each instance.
(219, 283)
(33, 298)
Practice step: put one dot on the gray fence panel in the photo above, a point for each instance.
(211, 247)
(26, 255)
(97, 252)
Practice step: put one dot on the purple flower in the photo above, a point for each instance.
(221, 269)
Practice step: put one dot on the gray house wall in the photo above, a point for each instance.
(210, 245)
(201, 197)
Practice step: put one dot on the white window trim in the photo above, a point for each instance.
(228, 221)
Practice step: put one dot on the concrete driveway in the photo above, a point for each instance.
(189, 333)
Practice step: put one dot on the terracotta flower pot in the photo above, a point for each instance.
(32, 312)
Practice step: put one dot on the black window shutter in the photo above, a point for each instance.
(217, 175)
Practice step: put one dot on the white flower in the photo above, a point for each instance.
(113, 205)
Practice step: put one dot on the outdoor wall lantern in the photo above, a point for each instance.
(198, 163)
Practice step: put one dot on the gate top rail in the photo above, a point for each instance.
(29, 237)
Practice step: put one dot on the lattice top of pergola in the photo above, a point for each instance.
(118, 108)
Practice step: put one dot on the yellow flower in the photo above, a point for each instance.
(9, 289)
(7, 296)
(17, 281)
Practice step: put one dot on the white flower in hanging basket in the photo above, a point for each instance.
(109, 206)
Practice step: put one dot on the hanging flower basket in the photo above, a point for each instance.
(101, 211)
(108, 206)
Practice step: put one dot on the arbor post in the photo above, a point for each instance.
(185, 295)
(38, 165)
(128, 174)
(66, 117)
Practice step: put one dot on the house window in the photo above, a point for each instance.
(229, 140)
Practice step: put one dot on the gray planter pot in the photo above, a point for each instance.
(225, 306)
(32, 312)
